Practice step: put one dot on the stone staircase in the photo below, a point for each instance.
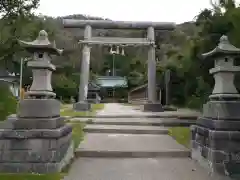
(132, 149)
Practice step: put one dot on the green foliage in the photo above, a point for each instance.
(181, 134)
(64, 87)
(8, 103)
(16, 18)
(18, 176)
(77, 133)
(191, 83)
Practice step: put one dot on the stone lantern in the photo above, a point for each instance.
(216, 135)
(38, 141)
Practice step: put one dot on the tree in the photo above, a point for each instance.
(13, 9)
(191, 72)
(16, 15)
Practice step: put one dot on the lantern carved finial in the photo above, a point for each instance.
(224, 39)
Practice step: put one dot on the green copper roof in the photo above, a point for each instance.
(111, 81)
(7, 76)
(93, 86)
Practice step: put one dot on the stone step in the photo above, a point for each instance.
(130, 145)
(122, 129)
(138, 169)
(169, 122)
(189, 117)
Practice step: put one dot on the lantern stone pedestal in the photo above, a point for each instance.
(216, 136)
(82, 106)
(38, 140)
(153, 107)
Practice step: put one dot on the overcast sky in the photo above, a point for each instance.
(127, 10)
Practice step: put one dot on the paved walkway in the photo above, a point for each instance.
(114, 109)
(132, 152)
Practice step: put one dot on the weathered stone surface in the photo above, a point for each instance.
(31, 144)
(42, 154)
(121, 129)
(215, 134)
(138, 169)
(38, 108)
(35, 133)
(57, 143)
(4, 144)
(153, 107)
(220, 149)
(114, 110)
(130, 145)
(8, 124)
(226, 163)
(39, 167)
(220, 125)
(36, 139)
(222, 110)
(82, 106)
(39, 123)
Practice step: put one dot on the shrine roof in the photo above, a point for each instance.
(7, 76)
(112, 81)
(93, 86)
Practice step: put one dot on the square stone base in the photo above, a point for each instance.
(82, 106)
(152, 107)
(35, 150)
(222, 110)
(39, 167)
(38, 108)
(217, 151)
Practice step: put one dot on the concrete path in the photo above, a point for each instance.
(130, 145)
(132, 151)
(130, 129)
(114, 109)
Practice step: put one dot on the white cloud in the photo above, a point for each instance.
(131, 10)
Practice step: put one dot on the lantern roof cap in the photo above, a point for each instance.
(41, 43)
(223, 48)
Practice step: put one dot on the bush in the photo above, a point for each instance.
(195, 102)
(8, 103)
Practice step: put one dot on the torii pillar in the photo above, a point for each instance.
(82, 104)
(152, 104)
(151, 66)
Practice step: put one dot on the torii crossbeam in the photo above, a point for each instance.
(108, 24)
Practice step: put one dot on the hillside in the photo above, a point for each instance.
(68, 38)
(133, 65)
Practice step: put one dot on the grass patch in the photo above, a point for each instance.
(77, 133)
(97, 107)
(181, 134)
(70, 111)
(77, 137)
(57, 176)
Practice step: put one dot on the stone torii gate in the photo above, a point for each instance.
(107, 24)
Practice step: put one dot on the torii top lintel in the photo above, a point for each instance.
(107, 24)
